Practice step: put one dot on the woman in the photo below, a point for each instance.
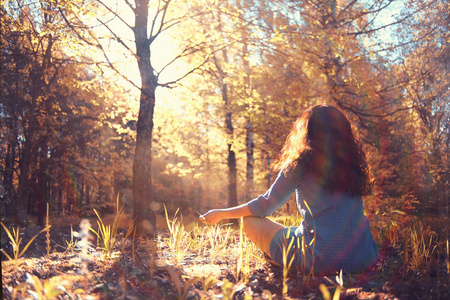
(324, 164)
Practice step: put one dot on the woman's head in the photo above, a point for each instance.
(323, 144)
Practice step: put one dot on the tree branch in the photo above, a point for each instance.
(116, 14)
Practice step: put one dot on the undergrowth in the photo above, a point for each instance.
(210, 262)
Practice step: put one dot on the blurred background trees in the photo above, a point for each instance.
(60, 111)
(229, 78)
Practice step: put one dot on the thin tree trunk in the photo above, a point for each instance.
(269, 174)
(23, 185)
(232, 172)
(88, 197)
(145, 219)
(247, 94)
(41, 187)
(8, 171)
(39, 86)
(250, 160)
(231, 159)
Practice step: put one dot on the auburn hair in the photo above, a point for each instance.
(322, 144)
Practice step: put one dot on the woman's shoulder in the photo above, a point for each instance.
(312, 190)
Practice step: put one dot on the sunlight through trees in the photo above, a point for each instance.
(174, 107)
(187, 103)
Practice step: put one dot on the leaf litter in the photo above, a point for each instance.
(198, 274)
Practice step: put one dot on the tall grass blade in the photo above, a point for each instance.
(16, 240)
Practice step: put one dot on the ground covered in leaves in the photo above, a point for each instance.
(156, 269)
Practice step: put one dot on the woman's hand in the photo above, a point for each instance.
(213, 216)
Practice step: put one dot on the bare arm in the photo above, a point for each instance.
(262, 206)
(214, 216)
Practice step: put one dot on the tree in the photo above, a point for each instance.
(222, 75)
(151, 21)
(220, 17)
(53, 104)
(424, 76)
(29, 53)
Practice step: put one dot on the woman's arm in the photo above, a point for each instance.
(280, 192)
(262, 206)
(214, 216)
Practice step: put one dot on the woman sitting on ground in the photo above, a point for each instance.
(325, 165)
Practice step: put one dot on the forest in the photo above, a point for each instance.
(121, 121)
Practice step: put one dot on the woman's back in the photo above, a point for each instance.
(341, 230)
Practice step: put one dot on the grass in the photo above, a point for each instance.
(179, 239)
(246, 251)
(107, 234)
(71, 244)
(421, 249)
(15, 240)
(421, 252)
(287, 262)
(49, 289)
(288, 220)
(198, 256)
(326, 293)
(181, 289)
(217, 238)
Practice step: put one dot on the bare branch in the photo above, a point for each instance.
(115, 36)
(130, 5)
(74, 30)
(379, 28)
(171, 84)
(158, 11)
(184, 53)
(168, 25)
(116, 14)
(407, 16)
(176, 81)
(350, 4)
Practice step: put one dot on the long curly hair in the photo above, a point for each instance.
(322, 144)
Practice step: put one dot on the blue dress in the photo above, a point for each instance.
(334, 231)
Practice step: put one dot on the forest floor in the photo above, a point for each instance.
(154, 270)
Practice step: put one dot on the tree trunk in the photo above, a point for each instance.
(25, 159)
(8, 171)
(41, 187)
(231, 160)
(23, 185)
(38, 88)
(250, 160)
(269, 174)
(246, 95)
(145, 220)
(232, 172)
(88, 197)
